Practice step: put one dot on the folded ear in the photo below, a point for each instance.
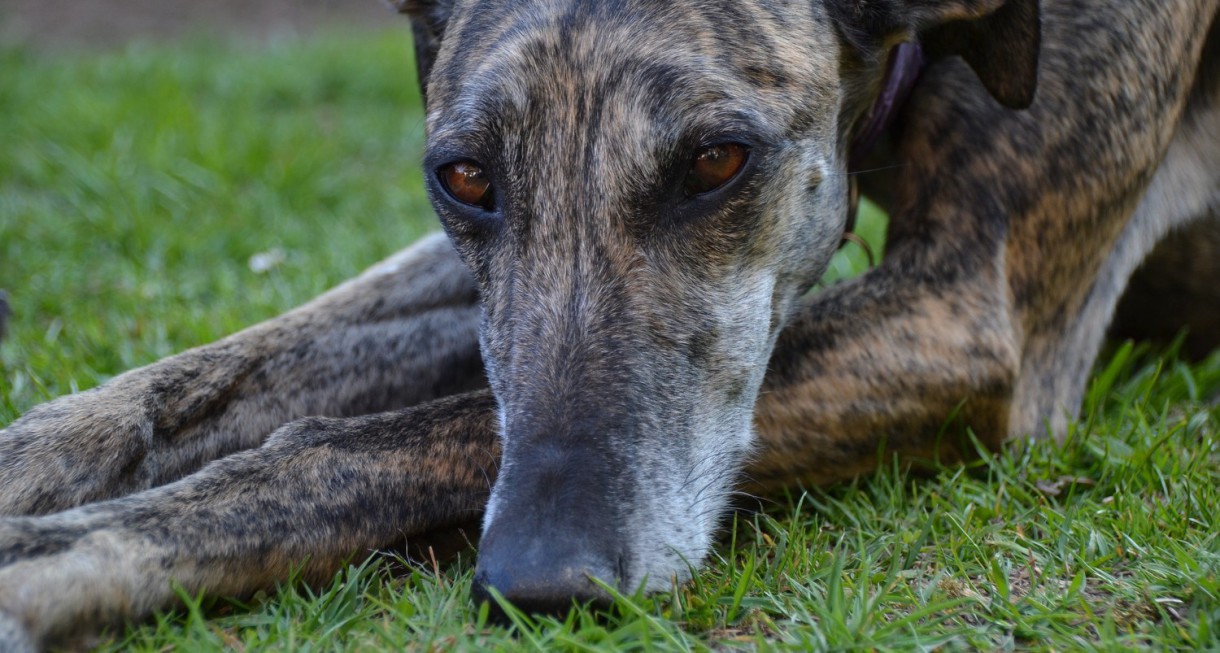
(1000, 39)
(428, 21)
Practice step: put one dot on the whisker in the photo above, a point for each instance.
(852, 173)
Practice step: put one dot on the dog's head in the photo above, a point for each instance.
(643, 189)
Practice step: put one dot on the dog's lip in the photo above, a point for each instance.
(902, 71)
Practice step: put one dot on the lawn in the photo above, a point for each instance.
(160, 197)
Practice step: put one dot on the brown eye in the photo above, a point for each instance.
(467, 183)
(714, 166)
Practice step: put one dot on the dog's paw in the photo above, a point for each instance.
(13, 636)
(26, 538)
(71, 451)
(65, 576)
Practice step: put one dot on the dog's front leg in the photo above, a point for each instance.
(319, 491)
(403, 333)
(881, 362)
(1013, 234)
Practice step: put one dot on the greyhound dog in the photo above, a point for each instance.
(617, 331)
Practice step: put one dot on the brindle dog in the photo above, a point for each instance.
(639, 196)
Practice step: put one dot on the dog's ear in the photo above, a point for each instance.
(428, 21)
(1000, 39)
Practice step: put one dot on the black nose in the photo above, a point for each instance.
(541, 584)
(542, 555)
(557, 525)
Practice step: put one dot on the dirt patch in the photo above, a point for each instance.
(110, 23)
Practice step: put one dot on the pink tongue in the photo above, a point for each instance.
(901, 73)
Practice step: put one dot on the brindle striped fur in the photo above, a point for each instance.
(644, 350)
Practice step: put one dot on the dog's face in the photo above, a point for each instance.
(642, 194)
(642, 190)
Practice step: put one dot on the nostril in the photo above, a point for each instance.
(550, 534)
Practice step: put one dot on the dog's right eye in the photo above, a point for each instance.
(467, 183)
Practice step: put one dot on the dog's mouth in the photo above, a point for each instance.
(902, 72)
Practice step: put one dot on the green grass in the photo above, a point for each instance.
(136, 186)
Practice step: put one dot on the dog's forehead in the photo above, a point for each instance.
(646, 60)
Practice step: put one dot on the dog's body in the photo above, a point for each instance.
(626, 330)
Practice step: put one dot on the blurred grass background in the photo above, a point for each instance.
(136, 186)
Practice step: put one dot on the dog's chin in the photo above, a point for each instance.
(665, 565)
(675, 531)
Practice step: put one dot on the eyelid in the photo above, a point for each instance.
(723, 138)
(454, 148)
(734, 128)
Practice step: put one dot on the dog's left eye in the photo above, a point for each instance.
(714, 166)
